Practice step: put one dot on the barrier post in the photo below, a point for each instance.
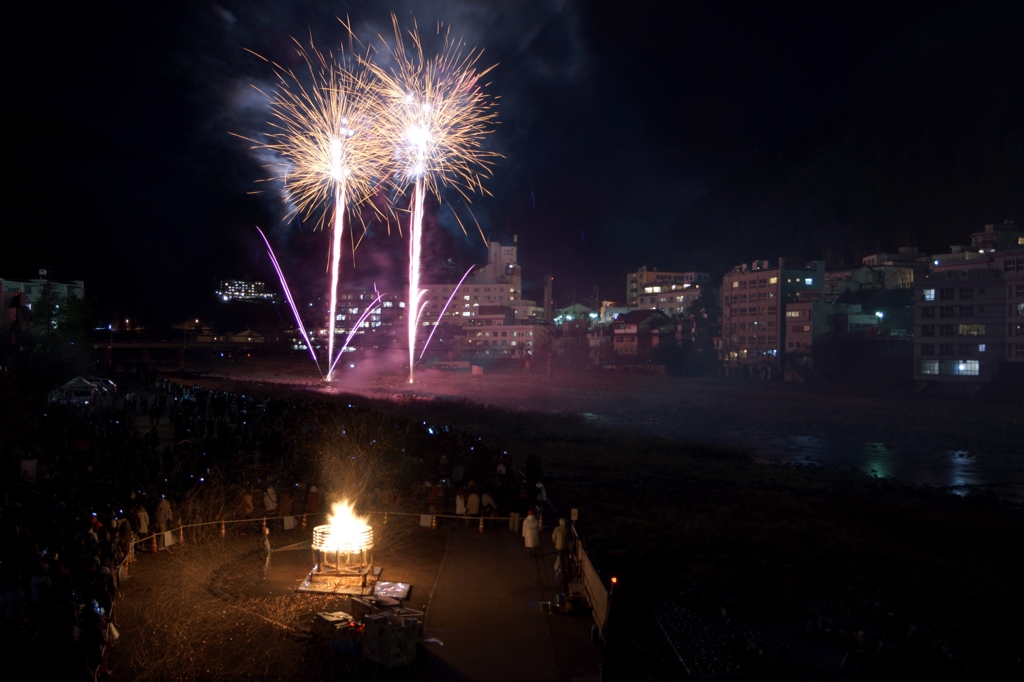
(181, 534)
(433, 522)
(303, 526)
(481, 528)
(385, 517)
(153, 549)
(223, 529)
(263, 529)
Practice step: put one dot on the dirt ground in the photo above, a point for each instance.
(201, 611)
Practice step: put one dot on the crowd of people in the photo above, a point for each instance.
(87, 488)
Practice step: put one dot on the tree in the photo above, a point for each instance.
(73, 319)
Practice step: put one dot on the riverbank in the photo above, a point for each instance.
(850, 571)
(951, 443)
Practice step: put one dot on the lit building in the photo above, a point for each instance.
(671, 300)
(19, 296)
(998, 238)
(638, 333)
(498, 283)
(651, 282)
(754, 300)
(241, 290)
(494, 331)
(969, 317)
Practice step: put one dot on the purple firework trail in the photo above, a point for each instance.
(288, 295)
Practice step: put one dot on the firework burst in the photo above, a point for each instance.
(435, 118)
(322, 132)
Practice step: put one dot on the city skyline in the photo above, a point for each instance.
(611, 125)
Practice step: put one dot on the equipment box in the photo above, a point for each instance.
(339, 631)
(390, 640)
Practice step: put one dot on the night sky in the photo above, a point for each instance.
(614, 118)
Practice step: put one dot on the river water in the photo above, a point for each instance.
(947, 445)
(956, 470)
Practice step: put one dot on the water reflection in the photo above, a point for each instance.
(955, 470)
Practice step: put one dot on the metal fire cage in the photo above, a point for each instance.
(342, 565)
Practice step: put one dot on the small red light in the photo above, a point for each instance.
(615, 581)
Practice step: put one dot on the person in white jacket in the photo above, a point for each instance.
(531, 533)
(142, 519)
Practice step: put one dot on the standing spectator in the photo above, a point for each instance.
(264, 554)
(163, 515)
(520, 504)
(531, 533)
(560, 536)
(460, 503)
(435, 498)
(473, 501)
(490, 507)
(245, 504)
(540, 497)
(142, 518)
(270, 500)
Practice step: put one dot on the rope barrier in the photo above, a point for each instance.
(222, 523)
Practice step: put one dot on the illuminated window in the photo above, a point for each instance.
(971, 330)
(967, 368)
(735, 284)
(792, 313)
(809, 281)
(773, 280)
(929, 367)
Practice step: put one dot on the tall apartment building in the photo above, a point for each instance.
(497, 283)
(969, 321)
(652, 282)
(671, 300)
(243, 290)
(754, 312)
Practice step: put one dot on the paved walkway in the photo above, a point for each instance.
(486, 619)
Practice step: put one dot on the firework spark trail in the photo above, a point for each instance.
(437, 120)
(288, 296)
(327, 153)
(440, 316)
(355, 328)
(339, 228)
(415, 293)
